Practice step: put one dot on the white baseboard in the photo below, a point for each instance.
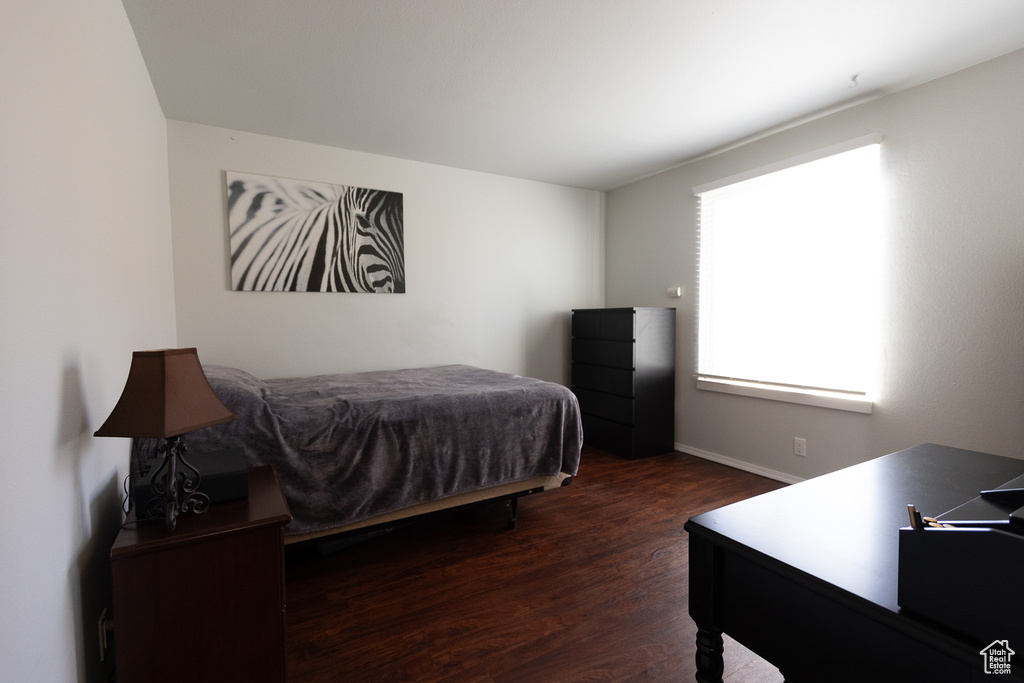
(739, 464)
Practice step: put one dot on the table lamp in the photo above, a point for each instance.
(166, 395)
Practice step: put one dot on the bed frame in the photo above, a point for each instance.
(511, 493)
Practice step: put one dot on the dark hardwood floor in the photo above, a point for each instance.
(591, 586)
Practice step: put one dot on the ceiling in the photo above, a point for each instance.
(585, 93)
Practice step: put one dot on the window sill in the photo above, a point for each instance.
(820, 399)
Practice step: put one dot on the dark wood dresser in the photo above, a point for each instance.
(205, 602)
(623, 373)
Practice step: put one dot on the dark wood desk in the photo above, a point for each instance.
(806, 576)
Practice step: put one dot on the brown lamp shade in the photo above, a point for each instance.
(167, 394)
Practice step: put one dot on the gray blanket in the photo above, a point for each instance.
(350, 447)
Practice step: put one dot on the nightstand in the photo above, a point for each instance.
(205, 602)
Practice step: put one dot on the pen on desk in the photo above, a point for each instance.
(919, 522)
(932, 522)
(915, 517)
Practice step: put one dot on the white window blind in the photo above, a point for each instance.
(789, 273)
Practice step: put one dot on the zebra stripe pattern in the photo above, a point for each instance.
(291, 235)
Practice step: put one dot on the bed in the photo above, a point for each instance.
(358, 451)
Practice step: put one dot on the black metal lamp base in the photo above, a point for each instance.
(173, 473)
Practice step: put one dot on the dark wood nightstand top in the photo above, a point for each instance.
(264, 506)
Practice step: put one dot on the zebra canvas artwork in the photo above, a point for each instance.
(298, 236)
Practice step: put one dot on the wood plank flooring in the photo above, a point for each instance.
(591, 586)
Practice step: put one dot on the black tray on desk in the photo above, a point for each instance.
(969, 578)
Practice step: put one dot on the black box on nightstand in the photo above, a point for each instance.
(224, 476)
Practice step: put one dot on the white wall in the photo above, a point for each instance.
(86, 280)
(953, 345)
(493, 266)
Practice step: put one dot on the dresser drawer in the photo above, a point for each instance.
(609, 380)
(617, 354)
(604, 324)
(607, 435)
(608, 406)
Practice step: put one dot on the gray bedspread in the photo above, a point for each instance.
(350, 447)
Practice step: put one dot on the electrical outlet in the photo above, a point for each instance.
(800, 447)
(105, 626)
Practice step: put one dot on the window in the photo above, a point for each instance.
(788, 279)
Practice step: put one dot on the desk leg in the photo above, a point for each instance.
(710, 663)
(702, 609)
